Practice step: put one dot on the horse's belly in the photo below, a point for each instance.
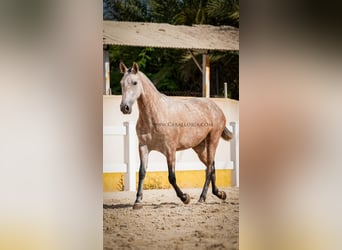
(190, 140)
(174, 138)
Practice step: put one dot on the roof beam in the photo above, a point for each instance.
(194, 59)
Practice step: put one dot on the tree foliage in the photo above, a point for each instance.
(172, 70)
(125, 10)
(160, 8)
(223, 12)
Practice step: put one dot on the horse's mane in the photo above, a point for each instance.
(150, 83)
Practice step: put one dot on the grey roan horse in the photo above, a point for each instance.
(168, 125)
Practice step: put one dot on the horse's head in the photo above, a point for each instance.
(131, 87)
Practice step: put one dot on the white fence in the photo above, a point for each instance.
(131, 159)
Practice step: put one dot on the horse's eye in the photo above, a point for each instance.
(134, 83)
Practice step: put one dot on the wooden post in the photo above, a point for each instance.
(225, 90)
(205, 76)
(130, 156)
(106, 85)
(235, 154)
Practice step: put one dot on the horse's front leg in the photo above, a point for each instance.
(143, 153)
(172, 178)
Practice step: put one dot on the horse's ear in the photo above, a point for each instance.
(123, 68)
(135, 67)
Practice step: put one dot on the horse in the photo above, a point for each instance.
(168, 125)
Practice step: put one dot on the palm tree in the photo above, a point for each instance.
(125, 10)
(223, 12)
(165, 11)
(192, 12)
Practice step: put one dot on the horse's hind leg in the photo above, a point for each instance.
(143, 153)
(206, 184)
(206, 152)
(171, 158)
(211, 154)
(210, 176)
(221, 194)
(201, 150)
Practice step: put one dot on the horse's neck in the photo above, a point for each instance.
(150, 101)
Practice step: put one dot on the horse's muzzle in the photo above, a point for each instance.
(125, 108)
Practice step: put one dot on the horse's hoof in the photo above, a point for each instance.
(187, 200)
(201, 199)
(223, 195)
(137, 205)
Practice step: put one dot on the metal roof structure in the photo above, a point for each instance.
(162, 35)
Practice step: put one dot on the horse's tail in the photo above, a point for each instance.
(226, 134)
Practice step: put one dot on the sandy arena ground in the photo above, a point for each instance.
(166, 223)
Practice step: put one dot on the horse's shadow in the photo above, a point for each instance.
(164, 204)
(151, 205)
(168, 204)
(116, 206)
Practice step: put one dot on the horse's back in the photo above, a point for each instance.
(206, 107)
